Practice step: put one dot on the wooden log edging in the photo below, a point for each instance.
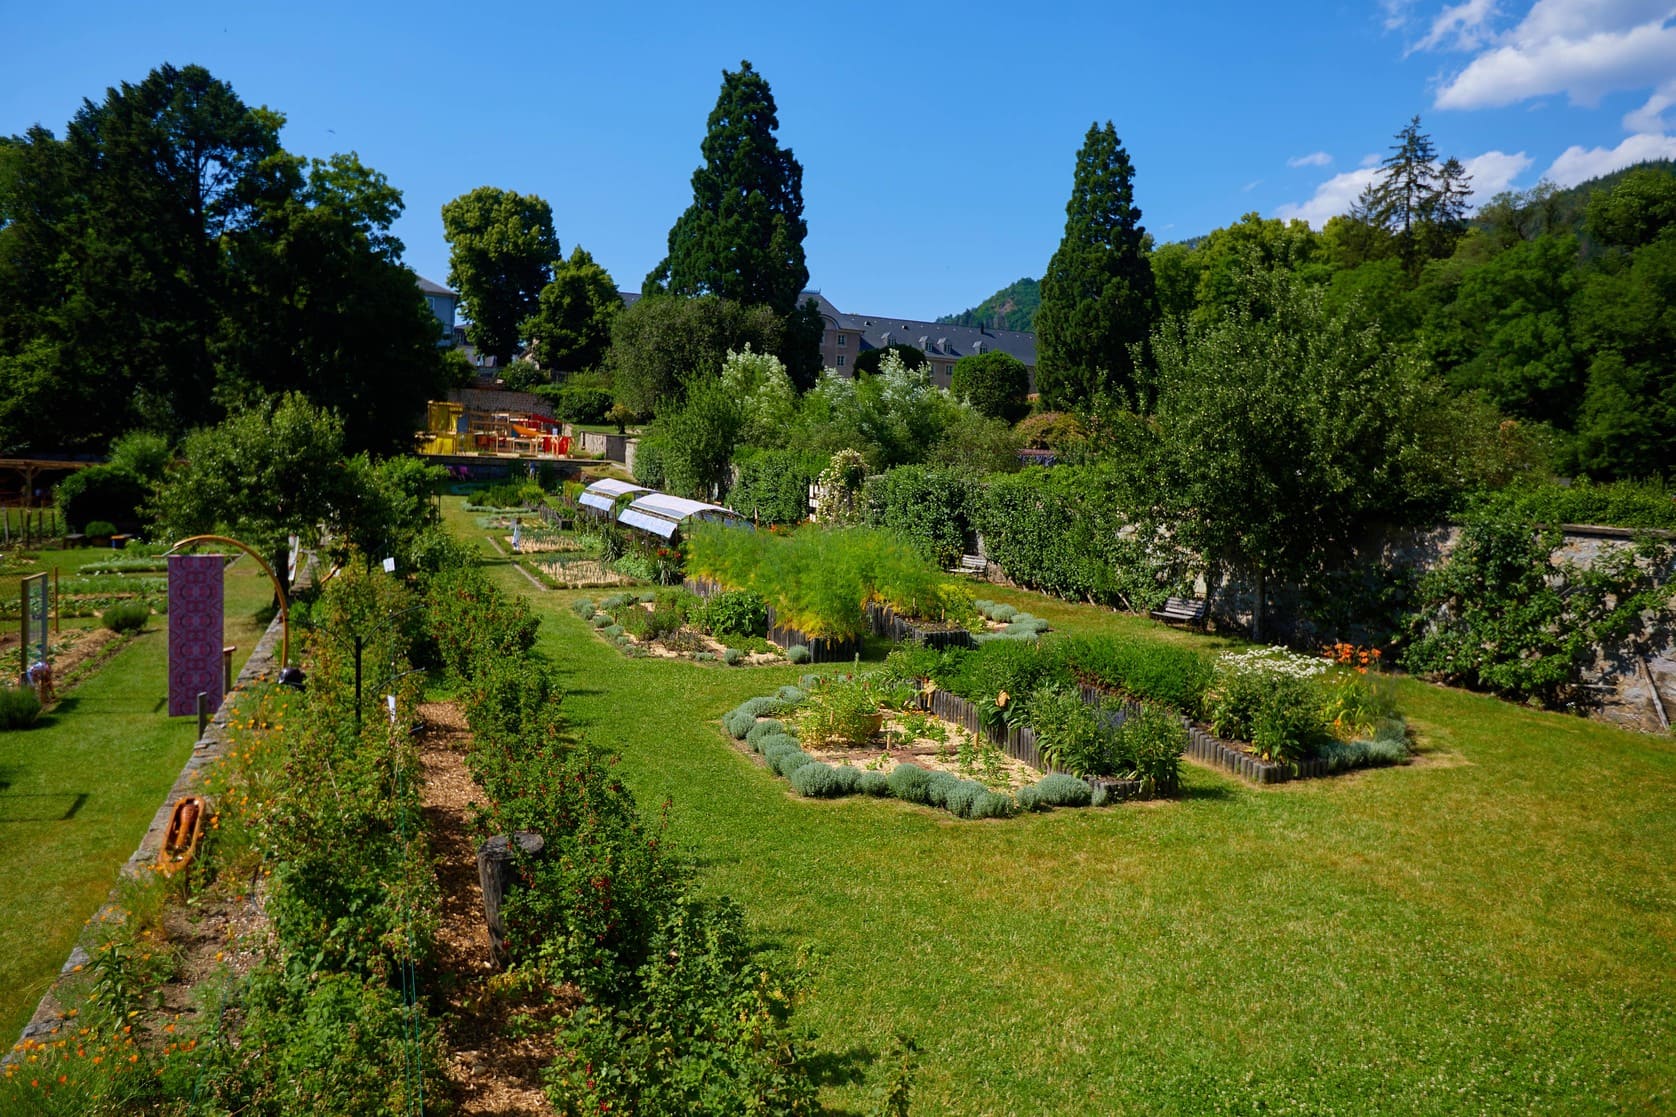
(1018, 742)
(822, 649)
(886, 622)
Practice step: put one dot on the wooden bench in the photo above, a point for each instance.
(1185, 609)
(970, 564)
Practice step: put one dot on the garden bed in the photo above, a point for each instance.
(673, 624)
(849, 740)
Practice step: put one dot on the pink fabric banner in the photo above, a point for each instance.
(195, 631)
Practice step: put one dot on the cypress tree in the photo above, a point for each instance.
(1098, 298)
(742, 237)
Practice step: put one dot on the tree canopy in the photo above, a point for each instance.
(996, 384)
(1098, 296)
(661, 343)
(168, 256)
(571, 327)
(501, 248)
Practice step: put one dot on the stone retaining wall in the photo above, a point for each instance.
(262, 666)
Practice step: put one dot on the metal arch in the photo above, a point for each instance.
(279, 587)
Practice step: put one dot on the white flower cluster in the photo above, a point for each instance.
(1272, 662)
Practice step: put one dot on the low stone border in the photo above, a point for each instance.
(262, 666)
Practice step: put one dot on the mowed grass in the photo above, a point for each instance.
(1490, 929)
(78, 790)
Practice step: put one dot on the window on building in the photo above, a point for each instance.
(840, 360)
(843, 340)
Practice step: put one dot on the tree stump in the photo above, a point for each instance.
(495, 858)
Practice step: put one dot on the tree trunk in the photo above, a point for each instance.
(495, 859)
(1257, 611)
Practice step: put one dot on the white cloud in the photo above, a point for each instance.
(1370, 160)
(1463, 26)
(1578, 164)
(1313, 159)
(1582, 48)
(1650, 117)
(1493, 172)
(1333, 197)
(1250, 186)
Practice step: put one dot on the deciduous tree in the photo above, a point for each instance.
(501, 248)
(571, 328)
(996, 384)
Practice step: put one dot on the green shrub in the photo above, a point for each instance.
(126, 616)
(761, 729)
(963, 797)
(1287, 724)
(994, 804)
(19, 707)
(600, 620)
(845, 710)
(614, 602)
(823, 781)
(613, 630)
(1011, 667)
(1002, 614)
(775, 742)
(797, 653)
(739, 720)
(1151, 744)
(787, 761)
(938, 785)
(1072, 735)
(583, 607)
(876, 784)
(1145, 670)
(818, 579)
(791, 695)
(735, 613)
(705, 657)
(99, 528)
(908, 782)
(1387, 745)
(732, 657)
(1055, 790)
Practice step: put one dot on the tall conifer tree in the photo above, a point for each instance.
(742, 237)
(1098, 298)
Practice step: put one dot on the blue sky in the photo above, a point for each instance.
(937, 140)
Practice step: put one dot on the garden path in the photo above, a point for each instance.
(494, 1071)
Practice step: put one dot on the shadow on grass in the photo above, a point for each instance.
(1206, 793)
(46, 806)
(841, 1068)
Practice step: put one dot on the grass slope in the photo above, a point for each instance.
(1489, 929)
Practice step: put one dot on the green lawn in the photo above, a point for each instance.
(1490, 929)
(78, 789)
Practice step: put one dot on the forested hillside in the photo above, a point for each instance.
(1015, 306)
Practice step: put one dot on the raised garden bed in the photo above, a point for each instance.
(633, 621)
(822, 649)
(948, 759)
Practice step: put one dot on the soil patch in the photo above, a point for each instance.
(934, 744)
(494, 1069)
